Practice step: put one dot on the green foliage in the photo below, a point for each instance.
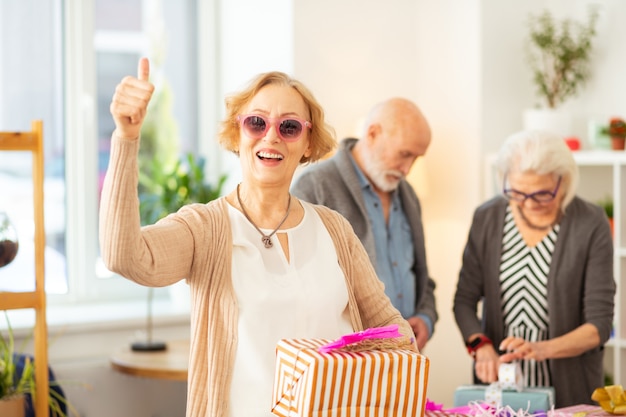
(607, 204)
(608, 379)
(14, 385)
(559, 55)
(10, 384)
(615, 129)
(165, 189)
(167, 182)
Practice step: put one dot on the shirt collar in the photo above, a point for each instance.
(363, 181)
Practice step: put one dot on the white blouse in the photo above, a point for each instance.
(305, 297)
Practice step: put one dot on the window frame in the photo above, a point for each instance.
(80, 44)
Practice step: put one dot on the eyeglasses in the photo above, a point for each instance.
(541, 197)
(288, 128)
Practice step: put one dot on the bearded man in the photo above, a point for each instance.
(365, 181)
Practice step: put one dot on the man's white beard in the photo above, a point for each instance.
(381, 176)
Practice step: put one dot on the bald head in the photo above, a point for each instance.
(401, 116)
(396, 133)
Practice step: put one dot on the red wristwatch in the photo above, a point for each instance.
(476, 343)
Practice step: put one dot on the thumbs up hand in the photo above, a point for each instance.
(130, 102)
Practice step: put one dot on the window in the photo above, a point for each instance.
(31, 88)
(63, 69)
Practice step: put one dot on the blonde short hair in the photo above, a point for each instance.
(322, 135)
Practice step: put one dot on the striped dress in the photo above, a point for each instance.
(524, 294)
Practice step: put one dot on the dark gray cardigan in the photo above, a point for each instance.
(334, 183)
(581, 289)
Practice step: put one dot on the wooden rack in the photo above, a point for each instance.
(32, 141)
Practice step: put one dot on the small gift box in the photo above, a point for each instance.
(533, 400)
(315, 377)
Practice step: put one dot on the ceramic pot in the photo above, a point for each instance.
(554, 120)
(617, 143)
(13, 407)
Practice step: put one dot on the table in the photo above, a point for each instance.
(171, 363)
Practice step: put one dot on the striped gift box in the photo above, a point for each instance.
(375, 383)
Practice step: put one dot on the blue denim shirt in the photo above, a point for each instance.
(394, 250)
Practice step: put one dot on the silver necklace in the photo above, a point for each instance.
(266, 239)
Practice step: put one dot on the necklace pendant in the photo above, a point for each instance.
(267, 241)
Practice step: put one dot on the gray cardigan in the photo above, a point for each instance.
(581, 289)
(334, 183)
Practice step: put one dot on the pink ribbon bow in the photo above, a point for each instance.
(390, 331)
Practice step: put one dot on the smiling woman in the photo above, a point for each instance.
(307, 274)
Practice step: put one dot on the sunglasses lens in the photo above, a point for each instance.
(255, 126)
(290, 129)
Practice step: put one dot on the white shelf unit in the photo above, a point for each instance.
(602, 174)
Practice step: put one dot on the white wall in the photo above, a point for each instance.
(254, 37)
(507, 88)
(353, 54)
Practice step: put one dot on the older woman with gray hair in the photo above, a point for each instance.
(540, 259)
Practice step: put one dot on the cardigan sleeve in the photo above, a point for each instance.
(156, 255)
(600, 287)
(469, 285)
(583, 274)
(478, 280)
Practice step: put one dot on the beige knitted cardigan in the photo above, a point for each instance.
(196, 243)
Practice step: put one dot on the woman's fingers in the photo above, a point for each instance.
(516, 348)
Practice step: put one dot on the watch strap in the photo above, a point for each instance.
(476, 343)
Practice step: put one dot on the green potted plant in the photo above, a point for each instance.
(616, 130)
(17, 381)
(559, 55)
(165, 189)
(607, 204)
